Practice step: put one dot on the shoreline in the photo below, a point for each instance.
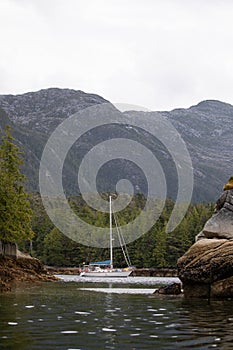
(22, 269)
(25, 268)
(143, 272)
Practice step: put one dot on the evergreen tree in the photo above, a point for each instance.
(159, 252)
(15, 211)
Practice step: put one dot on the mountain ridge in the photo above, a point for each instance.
(206, 129)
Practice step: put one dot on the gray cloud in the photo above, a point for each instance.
(159, 54)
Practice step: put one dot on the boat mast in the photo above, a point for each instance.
(110, 225)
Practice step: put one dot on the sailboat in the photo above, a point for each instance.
(105, 268)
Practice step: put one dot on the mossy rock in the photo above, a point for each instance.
(229, 185)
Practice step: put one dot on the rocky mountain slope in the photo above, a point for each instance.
(45, 109)
(206, 129)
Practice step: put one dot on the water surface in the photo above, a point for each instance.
(79, 314)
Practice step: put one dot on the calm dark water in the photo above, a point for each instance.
(123, 315)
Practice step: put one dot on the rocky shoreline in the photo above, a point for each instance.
(22, 269)
(206, 269)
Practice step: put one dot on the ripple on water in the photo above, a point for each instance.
(69, 332)
(158, 315)
(115, 322)
(109, 330)
(172, 325)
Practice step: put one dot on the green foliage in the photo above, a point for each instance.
(156, 248)
(15, 211)
(58, 249)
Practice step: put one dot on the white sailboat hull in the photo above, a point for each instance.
(109, 274)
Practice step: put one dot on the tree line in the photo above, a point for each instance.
(156, 248)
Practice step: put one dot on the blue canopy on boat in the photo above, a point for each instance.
(105, 262)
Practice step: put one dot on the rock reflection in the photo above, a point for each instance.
(212, 324)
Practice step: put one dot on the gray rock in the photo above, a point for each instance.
(171, 289)
(225, 201)
(220, 225)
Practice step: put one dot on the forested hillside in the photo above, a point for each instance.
(154, 249)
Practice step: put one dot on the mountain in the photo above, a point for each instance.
(34, 115)
(45, 109)
(206, 129)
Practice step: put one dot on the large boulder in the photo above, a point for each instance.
(206, 269)
(220, 225)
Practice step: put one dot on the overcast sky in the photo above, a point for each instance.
(160, 54)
